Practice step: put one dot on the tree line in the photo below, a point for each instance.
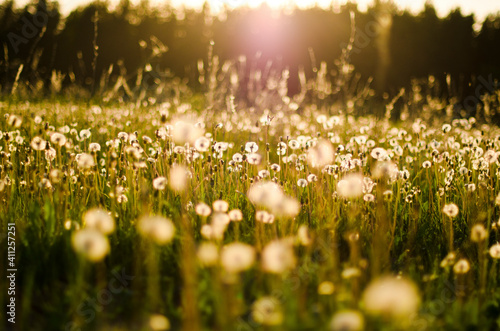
(392, 46)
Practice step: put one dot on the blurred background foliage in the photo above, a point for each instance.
(132, 39)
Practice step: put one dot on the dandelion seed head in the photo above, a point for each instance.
(219, 223)
(352, 272)
(254, 159)
(385, 170)
(237, 257)
(446, 128)
(178, 178)
(450, 210)
(238, 158)
(122, 198)
(395, 298)
(55, 175)
(265, 193)
(202, 209)
(326, 288)
(159, 322)
(94, 147)
(278, 257)
(38, 144)
(160, 183)
(312, 178)
(14, 121)
(267, 311)
(449, 260)
(351, 186)
(202, 144)
(369, 197)
(85, 161)
(184, 131)
(99, 219)
(303, 235)
(264, 173)
(206, 231)
(275, 167)
(294, 144)
(159, 229)
(461, 267)
(235, 215)
(347, 320)
(478, 233)
(302, 182)
(251, 147)
(85, 134)
(495, 251)
(208, 254)
(90, 243)
(220, 206)
(378, 153)
(264, 217)
(490, 156)
(321, 154)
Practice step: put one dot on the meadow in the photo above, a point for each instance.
(164, 208)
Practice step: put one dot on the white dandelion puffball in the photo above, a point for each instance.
(38, 144)
(278, 257)
(351, 186)
(461, 267)
(160, 183)
(178, 178)
(237, 257)
(267, 311)
(495, 251)
(254, 159)
(347, 320)
(220, 206)
(159, 322)
(90, 243)
(85, 161)
(301, 182)
(271, 196)
(266, 194)
(303, 235)
(99, 219)
(186, 132)
(385, 170)
(208, 254)
(235, 215)
(391, 297)
(202, 209)
(218, 225)
(157, 228)
(478, 233)
(94, 147)
(251, 147)
(321, 154)
(450, 210)
(378, 153)
(15, 121)
(202, 144)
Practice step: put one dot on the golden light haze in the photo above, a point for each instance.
(481, 8)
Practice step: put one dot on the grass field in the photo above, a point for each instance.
(168, 215)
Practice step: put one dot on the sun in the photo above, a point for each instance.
(275, 4)
(256, 3)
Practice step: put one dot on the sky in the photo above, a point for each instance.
(481, 8)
